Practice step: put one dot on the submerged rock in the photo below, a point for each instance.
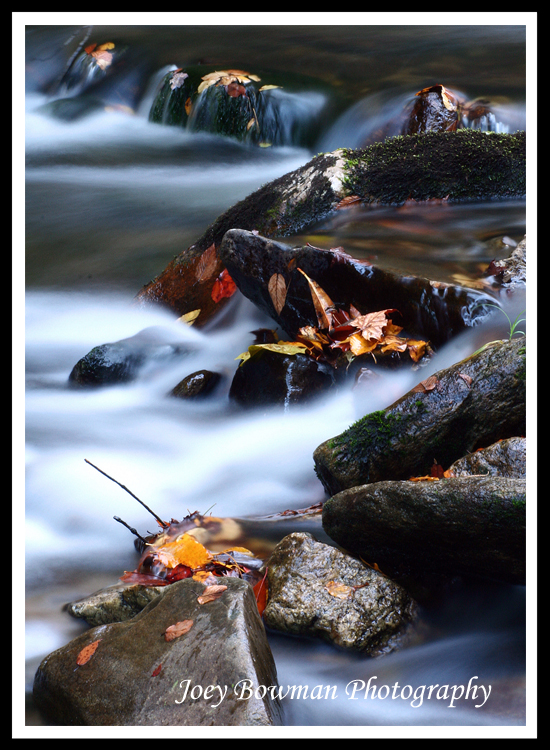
(116, 603)
(197, 385)
(469, 405)
(457, 526)
(316, 590)
(428, 309)
(122, 361)
(136, 677)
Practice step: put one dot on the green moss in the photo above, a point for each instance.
(376, 429)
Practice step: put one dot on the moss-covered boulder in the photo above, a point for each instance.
(464, 407)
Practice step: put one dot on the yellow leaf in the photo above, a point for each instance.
(266, 87)
(189, 317)
(283, 347)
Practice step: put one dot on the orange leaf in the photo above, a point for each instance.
(260, 592)
(277, 291)
(179, 628)
(87, 652)
(185, 550)
(210, 594)
(224, 286)
(339, 590)
(426, 385)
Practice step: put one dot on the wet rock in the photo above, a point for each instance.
(122, 361)
(431, 310)
(366, 611)
(456, 166)
(469, 405)
(459, 526)
(116, 603)
(435, 109)
(197, 385)
(507, 458)
(241, 105)
(272, 379)
(137, 678)
(511, 271)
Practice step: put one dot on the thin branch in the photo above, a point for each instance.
(159, 520)
(134, 532)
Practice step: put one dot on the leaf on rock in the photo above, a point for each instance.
(208, 263)
(185, 550)
(157, 671)
(282, 347)
(179, 628)
(426, 385)
(277, 291)
(178, 77)
(211, 593)
(339, 590)
(87, 652)
(466, 378)
(190, 317)
(224, 286)
(260, 592)
(269, 86)
(322, 303)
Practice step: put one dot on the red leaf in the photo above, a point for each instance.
(260, 592)
(178, 573)
(157, 671)
(224, 286)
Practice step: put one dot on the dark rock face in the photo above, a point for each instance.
(272, 379)
(366, 611)
(428, 309)
(138, 678)
(469, 405)
(122, 361)
(464, 525)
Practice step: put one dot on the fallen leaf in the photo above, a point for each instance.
(277, 291)
(426, 385)
(282, 347)
(207, 264)
(339, 590)
(224, 286)
(179, 628)
(269, 86)
(190, 317)
(185, 550)
(321, 301)
(235, 89)
(260, 592)
(157, 671)
(466, 378)
(87, 652)
(177, 79)
(188, 106)
(348, 201)
(211, 593)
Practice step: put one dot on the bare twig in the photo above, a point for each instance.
(159, 520)
(134, 532)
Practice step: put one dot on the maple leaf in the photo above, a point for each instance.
(87, 652)
(372, 325)
(211, 593)
(179, 628)
(277, 291)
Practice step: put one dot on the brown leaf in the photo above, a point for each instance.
(277, 291)
(466, 378)
(349, 200)
(179, 628)
(87, 652)
(321, 301)
(426, 385)
(372, 325)
(211, 593)
(207, 265)
(157, 671)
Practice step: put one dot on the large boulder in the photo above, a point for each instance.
(137, 676)
(456, 526)
(469, 405)
(316, 590)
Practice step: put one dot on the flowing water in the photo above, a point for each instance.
(110, 199)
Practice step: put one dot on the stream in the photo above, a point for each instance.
(111, 198)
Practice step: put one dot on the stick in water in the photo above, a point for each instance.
(130, 528)
(159, 520)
